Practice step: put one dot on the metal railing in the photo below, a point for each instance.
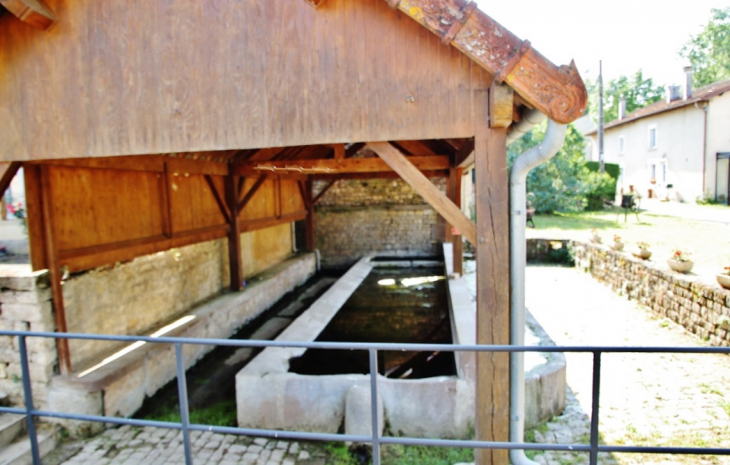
(593, 449)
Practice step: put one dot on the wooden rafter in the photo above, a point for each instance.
(33, 12)
(465, 156)
(420, 183)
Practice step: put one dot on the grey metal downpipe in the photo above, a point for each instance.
(529, 119)
(554, 138)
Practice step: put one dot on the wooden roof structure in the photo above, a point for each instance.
(146, 124)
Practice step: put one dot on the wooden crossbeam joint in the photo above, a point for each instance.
(33, 12)
(218, 198)
(459, 23)
(420, 183)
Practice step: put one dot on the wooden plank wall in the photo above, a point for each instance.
(130, 77)
(102, 215)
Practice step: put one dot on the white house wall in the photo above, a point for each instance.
(718, 138)
(680, 141)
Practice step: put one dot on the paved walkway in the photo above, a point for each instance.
(646, 399)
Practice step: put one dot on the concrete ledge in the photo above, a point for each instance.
(126, 381)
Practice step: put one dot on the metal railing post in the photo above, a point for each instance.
(594, 406)
(374, 405)
(182, 391)
(28, 393)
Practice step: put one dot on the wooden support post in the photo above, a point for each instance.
(54, 272)
(458, 246)
(309, 231)
(492, 255)
(420, 183)
(234, 233)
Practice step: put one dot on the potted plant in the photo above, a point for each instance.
(595, 238)
(642, 251)
(680, 261)
(724, 278)
(618, 245)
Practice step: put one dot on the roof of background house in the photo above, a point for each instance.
(698, 95)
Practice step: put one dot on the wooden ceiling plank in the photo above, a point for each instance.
(420, 183)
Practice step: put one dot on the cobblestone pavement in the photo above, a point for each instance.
(646, 399)
(130, 445)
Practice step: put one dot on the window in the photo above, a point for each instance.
(621, 145)
(652, 137)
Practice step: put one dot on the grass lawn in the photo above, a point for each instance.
(709, 243)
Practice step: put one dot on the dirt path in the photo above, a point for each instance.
(646, 399)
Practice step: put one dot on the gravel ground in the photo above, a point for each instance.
(646, 399)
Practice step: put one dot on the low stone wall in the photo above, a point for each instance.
(25, 305)
(701, 307)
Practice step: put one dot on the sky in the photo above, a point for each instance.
(627, 35)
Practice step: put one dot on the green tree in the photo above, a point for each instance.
(637, 90)
(564, 183)
(709, 51)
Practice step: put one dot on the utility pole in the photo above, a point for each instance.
(601, 163)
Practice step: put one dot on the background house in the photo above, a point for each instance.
(675, 149)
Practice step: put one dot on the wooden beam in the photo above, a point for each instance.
(54, 272)
(154, 163)
(331, 166)
(33, 12)
(218, 199)
(323, 191)
(465, 156)
(8, 170)
(383, 175)
(249, 195)
(339, 152)
(309, 224)
(234, 233)
(458, 245)
(492, 256)
(501, 104)
(420, 183)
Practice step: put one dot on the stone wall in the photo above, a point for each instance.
(700, 306)
(139, 295)
(25, 305)
(361, 216)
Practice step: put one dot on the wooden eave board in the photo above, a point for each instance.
(145, 76)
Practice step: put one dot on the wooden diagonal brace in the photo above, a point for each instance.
(249, 195)
(7, 173)
(323, 191)
(218, 198)
(420, 183)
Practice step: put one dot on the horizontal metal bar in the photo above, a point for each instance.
(368, 346)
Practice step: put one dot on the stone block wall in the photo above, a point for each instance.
(700, 306)
(135, 296)
(25, 305)
(357, 217)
